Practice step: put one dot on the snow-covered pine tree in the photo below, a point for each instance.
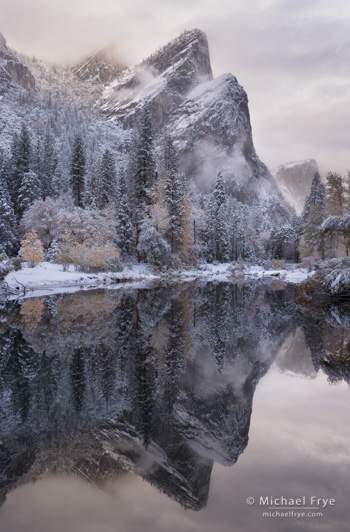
(187, 236)
(8, 239)
(61, 177)
(77, 178)
(317, 196)
(19, 165)
(217, 221)
(53, 251)
(152, 247)
(237, 215)
(174, 197)
(142, 169)
(107, 172)
(49, 165)
(29, 191)
(312, 241)
(125, 234)
(93, 184)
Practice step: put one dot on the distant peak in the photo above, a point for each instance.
(108, 54)
(100, 67)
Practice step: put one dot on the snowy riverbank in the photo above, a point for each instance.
(49, 278)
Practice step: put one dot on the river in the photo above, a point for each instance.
(186, 407)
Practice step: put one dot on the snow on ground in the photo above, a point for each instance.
(291, 275)
(50, 278)
(47, 278)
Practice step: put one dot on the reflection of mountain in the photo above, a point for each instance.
(159, 382)
(294, 356)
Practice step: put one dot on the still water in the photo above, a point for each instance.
(167, 408)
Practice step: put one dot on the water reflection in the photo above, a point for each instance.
(158, 382)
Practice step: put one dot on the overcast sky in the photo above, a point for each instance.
(291, 56)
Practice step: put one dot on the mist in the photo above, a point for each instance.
(291, 58)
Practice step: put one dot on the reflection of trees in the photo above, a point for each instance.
(175, 351)
(31, 312)
(327, 335)
(217, 312)
(113, 373)
(77, 371)
(20, 368)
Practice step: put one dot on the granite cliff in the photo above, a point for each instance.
(12, 70)
(294, 180)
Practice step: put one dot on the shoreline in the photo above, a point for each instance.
(50, 279)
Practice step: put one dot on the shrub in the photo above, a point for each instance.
(4, 270)
(278, 264)
(95, 258)
(63, 253)
(16, 263)
(308, 263)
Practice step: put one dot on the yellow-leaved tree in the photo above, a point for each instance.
(31, 249)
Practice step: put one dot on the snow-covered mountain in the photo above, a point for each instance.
(208, 118)
(294, 180)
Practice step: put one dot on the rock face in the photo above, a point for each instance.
(12, 70)
(99, 68)
(294, 181)
(208, 118)
(161, 81)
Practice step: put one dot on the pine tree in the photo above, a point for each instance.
(93, 185)
(143, 170)
(78, 172)
(107, 173)
(7, 223)
(19, 166)
(174, 197)
(237, 215)
(187, 238)
(29, 191)
(312, 240)
(49, 166)
(125, 238)
(317, 196)
(217, 221)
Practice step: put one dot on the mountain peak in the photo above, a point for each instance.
(191, 43)
(294, 180)
(162, 80)
(101, 67)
